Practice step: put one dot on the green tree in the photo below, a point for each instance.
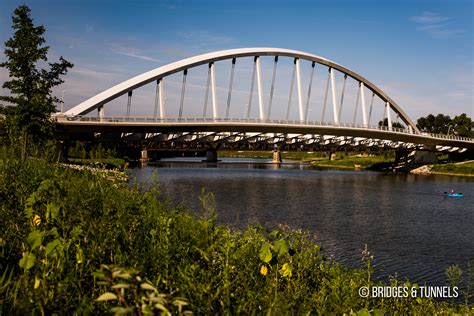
(463, 125)
(394, 124)
(438, 124)
(30, 104)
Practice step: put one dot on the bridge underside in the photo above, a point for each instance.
(252, 135)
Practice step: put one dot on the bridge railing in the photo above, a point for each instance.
(153, 120)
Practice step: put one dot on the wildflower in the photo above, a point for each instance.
(36, 220)
(263, 270)
(37, 282)
(285, 271)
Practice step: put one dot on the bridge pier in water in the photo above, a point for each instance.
(211, 155)
(144, 156)
(276, 156)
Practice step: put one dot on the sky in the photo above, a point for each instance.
(419, 52)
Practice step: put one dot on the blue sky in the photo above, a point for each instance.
(419, 52)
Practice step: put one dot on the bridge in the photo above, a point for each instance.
(278, 119)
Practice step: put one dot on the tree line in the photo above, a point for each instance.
(460, 125)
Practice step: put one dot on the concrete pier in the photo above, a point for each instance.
(276, 156)
(211, 156)
(144, 156)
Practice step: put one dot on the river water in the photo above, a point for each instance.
(408, 224)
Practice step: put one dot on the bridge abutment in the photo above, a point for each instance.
(425, 156)
(405, 160)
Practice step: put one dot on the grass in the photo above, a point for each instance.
(454, 168)
(74, 243)
(350, 162)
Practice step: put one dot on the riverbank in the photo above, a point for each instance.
(464, 169)
(114, 175)
(343, 160)
(117, 163)
(72, 242)
(360, 161)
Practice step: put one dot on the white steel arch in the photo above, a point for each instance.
(112, 93)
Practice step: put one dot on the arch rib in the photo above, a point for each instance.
(160, 72)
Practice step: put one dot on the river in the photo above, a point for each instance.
(408, 224)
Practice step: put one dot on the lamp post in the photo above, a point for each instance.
(449, 128)
(62, 101)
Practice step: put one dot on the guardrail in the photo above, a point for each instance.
(120, 119)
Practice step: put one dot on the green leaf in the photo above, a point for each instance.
(28, 261)
(363, 312)
(125, 276)
(52, 245)
(265, 253)
(106, 297)
(147, 286)
(163, 308)
(280, 247)
(274, 233)
(52, 211)
(121, 286)
(378, 312)
(179, 303)
(35, 238)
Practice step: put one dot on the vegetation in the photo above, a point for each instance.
(72, 242)
(344, 160)
(461, 125)
(28, 108)
(292, 155)
(362, 161)
(466, 168)
(97, 154)
(394, 124)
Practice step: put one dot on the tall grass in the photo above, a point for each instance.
(72, 242)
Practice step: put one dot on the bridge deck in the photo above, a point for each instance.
(79, 124)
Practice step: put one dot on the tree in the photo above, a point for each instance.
(30, 103)
(462, 125)
(438, 124)
(394, 124)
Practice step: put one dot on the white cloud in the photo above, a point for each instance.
(436, 25)
(131, 52)
(429, 18)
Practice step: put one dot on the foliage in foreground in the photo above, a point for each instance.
(74, 242)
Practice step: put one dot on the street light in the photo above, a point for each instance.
(62, 101)
(449, 128)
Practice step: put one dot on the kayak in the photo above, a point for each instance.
(454, 194)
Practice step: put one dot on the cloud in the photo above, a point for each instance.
(436, 25)
(429, 18)
(131, 52)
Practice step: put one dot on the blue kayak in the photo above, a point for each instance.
(454, 194)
